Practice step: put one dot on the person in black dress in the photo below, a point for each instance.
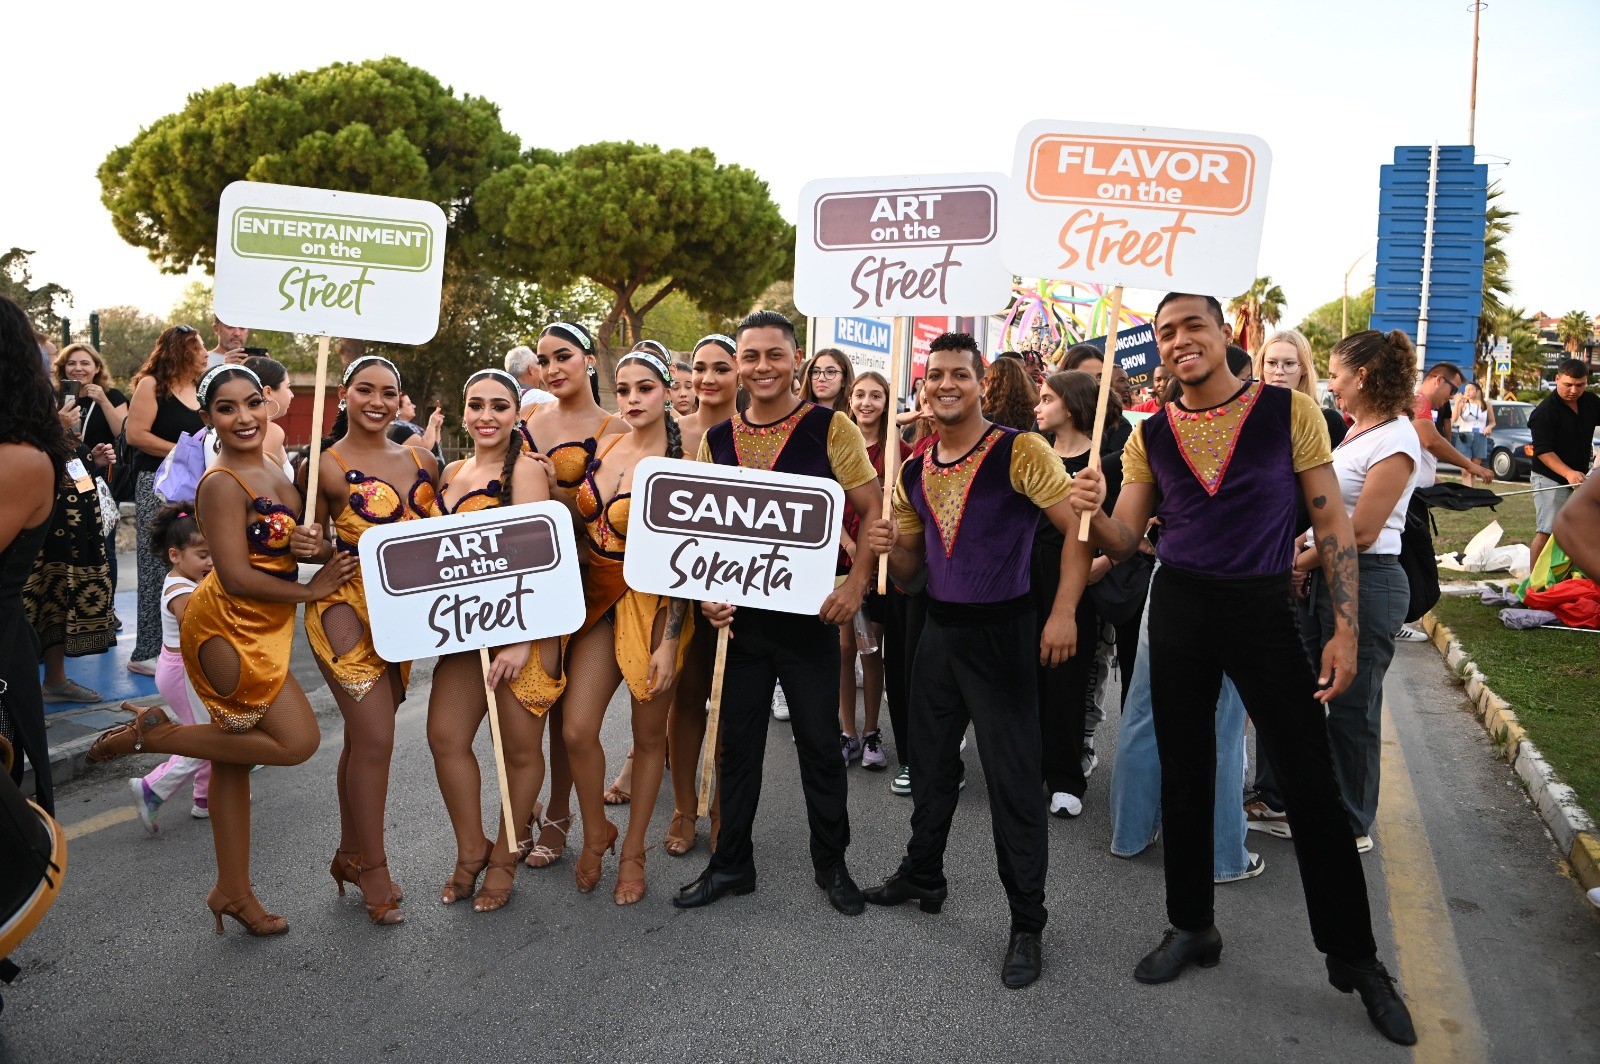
(34, 451)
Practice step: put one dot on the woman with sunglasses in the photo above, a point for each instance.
(238, 629)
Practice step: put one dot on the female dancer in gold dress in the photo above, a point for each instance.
(627, 635)
(567, 431)
(366, 481)
(237, 633)
(526, 684)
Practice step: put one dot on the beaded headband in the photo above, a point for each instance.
(203, 390)
(655, 347)
(724, 342)
(516, 388)
(350, 370)
(651, 360)
(572, 332)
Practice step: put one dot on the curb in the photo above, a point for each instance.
(1575, 833)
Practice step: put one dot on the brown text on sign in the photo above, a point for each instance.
(1196, 176)
(933, 217)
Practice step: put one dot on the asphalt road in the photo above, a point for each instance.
(1497, 949)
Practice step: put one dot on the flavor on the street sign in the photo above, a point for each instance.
(1143, 207)
(465, 581)
(311, 260)
(729, 534)
(888, 246)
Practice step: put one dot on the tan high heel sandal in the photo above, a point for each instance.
(387, 912)
(454, 889)
(127, 738)
(543, 855)
(248, 912)
(491, 898)
(680, 842)
(629, 891)
(587, 880)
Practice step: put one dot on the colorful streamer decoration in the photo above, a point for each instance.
(1050, 316)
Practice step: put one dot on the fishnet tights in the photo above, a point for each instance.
(595, 677)
(286, 735)
(363, 776)
(456, 708)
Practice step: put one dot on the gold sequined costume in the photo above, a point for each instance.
(373, 502)
(261, 633)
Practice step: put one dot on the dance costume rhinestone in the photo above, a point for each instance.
(758, 446)
(946, 487)
(1206, 438)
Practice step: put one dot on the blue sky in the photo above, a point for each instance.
(831, 88)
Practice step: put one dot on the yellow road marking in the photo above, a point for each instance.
(110, 818)
(1431, 972)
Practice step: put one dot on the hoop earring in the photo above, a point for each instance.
(277, 410)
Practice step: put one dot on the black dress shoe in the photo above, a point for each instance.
(1024, 960)
(843, 894)
(1384, 1008)
(897, 889)
(1177, 951)
(712, 885)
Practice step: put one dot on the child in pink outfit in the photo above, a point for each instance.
(175, 538)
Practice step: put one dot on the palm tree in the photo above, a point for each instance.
(1574, 330)
(1260, 305)
(1496, 269)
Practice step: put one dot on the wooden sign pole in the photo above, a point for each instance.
(1106, 367)
(513, 829)
(708, 757)
(891, 438)
(319, 401)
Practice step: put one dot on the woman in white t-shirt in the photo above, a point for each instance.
(1473, 419)
(1373, 375)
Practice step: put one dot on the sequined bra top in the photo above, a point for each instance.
(484, 498)
(267, 535)
(374, 501)
(572, 459)
(606, 522)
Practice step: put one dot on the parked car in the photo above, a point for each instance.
(1510, 442)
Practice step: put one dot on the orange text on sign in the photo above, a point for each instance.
(1202, 177)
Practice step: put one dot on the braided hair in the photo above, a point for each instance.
(674, 432)
(519, 432)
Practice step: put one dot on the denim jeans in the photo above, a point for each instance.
(1136, 775)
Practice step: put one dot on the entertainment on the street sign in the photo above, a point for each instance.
(1144, 207)
(312, 260)
(464, 581)
(717, 533)
(896, 246)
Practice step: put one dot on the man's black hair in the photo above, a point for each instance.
(1239, 363)
(1447, 369)
(766, 319)
(1211, 301)
(1573, 367)
(956, 341)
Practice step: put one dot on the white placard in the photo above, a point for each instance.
(888, 246)
(1169, 210)
(721, 533)
(311, 260)
(464, 581)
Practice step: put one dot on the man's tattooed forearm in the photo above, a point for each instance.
(1341, 565)
(676, 612)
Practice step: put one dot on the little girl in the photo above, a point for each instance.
(175, 539)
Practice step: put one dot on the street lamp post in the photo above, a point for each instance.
(1344, 299)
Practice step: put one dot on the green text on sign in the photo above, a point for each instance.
(304, 236)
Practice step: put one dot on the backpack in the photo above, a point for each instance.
(1417, 558)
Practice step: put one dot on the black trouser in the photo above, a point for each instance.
(1201, 628)
(802, 653)
(1064, 694)
(979, 668)
(902, 629)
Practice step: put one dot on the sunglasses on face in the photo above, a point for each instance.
(184, 330)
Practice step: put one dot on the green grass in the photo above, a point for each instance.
(1550, 679)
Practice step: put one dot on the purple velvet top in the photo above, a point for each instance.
(1246, 527)
(803, 446)
(990, 532)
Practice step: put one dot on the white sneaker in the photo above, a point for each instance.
(1091, 761)
(143, 668)
(1065, 805)
(200, 812)
(780, 705)
(1408, 634)
(1363, 843)
(1253, 869)
(147, 804)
